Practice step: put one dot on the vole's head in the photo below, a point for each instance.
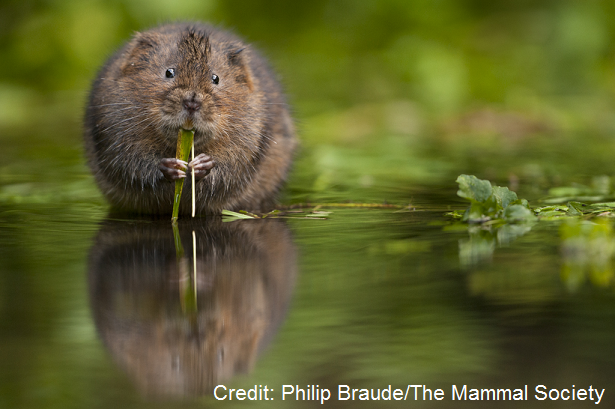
(193, 77)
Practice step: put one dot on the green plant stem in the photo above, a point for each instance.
(184, 143)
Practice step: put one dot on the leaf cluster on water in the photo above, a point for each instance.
(575, 210)
(496, 217)
(498, 205)
(491, 204)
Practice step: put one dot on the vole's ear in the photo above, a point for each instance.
(238, 61)
(138, 52)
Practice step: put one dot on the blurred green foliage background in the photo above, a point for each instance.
(445, 56)
(458, 82)
(427, 88)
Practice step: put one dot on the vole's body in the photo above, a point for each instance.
(188, 75)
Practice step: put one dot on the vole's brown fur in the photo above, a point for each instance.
(244, 134)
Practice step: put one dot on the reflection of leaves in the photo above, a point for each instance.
(485, 239)
(510, 232)
(497, 215)
(587, 249)
(478, 248)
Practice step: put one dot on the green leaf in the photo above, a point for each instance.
(503, 196)
(230, 216)
(472, 188)
(455, 214)
(552, 208)
(605, 206)
(575, 208)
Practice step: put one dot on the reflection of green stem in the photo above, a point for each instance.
(179, 249)
(187, 281)
(184, 143)
(194, 265)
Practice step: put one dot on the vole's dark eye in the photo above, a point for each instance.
(215, 79)
(170, 73)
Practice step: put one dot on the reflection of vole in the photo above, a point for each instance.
(188, 76)
(244, 280)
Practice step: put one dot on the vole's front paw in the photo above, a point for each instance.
(202, 165)
(173, 168)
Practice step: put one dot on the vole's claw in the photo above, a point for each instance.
(173, 168)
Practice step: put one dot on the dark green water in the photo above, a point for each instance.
(96, 312)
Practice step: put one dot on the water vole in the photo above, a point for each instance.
(191, 76)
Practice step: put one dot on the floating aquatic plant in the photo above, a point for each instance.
(493, 204)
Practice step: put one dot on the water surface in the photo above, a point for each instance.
(99, 312)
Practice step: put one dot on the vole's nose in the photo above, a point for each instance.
(191, 105)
